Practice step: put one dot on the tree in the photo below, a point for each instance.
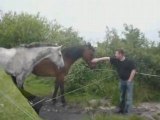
(133, 37)
(24, 28)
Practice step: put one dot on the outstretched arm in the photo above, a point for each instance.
(95, 60)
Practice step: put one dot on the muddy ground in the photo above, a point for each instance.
(150, 111)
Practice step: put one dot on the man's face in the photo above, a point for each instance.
(118, 55)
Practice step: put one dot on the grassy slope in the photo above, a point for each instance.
(12, 104)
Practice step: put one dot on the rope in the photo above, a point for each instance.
(140, 73)
(90, 85)
(151, 75)
(68, 92)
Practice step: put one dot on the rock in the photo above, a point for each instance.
(54, 110)
(104, 102)
(93, 103)
(158, 106)
(88, 108)
(103, 108)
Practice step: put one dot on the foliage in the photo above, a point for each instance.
(16, 29)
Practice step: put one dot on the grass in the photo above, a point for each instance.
(12, 104)
(39, 86)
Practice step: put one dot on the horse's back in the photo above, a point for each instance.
(7, 54)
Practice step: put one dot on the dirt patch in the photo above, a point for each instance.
(58, 112)
(150, 111)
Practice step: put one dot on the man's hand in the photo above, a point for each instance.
(129, 80)
(95, 60)
(133, 72)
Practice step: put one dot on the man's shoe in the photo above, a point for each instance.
(119, 111)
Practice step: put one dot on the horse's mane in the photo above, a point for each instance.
(32, 45)
(38, 44)
(75, 51)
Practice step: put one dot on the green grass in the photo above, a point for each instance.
(13, 106)
(39, 86)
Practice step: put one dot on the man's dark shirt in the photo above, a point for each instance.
(124, 68)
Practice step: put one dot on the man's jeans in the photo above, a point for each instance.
(126, 96)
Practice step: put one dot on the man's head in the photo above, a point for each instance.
(119, 54)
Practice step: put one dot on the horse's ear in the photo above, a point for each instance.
(89, 44)
(59, 47)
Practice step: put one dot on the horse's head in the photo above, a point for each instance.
(88, 55)
(56, 56)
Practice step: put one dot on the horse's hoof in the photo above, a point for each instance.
(37, 107)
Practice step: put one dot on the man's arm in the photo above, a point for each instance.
(133, 72)
(95, 60)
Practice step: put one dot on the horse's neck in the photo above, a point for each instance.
(6, 56)
(72, 56)
(41, 53)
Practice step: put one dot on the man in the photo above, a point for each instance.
(126, 70)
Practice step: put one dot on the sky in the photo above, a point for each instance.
(90, 17)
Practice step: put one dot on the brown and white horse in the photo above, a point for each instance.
(47, 68)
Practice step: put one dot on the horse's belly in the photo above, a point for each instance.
(45, 68)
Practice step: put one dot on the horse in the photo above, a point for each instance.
(19, 62)
(70, 55)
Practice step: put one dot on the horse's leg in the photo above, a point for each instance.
(31, 98)
(55, 91)
(20, 85)
(62, 91)
(28, 95)
(14, 80)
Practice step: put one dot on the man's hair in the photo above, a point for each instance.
(121, 51)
